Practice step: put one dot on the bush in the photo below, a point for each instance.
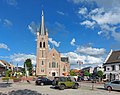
(5, 79)
(7, 73)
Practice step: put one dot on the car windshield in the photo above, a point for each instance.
(115, 82)
(40, 78)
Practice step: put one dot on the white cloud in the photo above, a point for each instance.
(88, 23)
(87, 55)
(116, 35)
(97, 11)
(110, 17)
(21, 57)
(32, 27)
(61, 13)
(75, 1)
(73, 42)
(4, 46)
(100, 32)
(86, 59)
(55, 28)
(11, 2)
(83, 11)
(94, 60)
(53, 42)
(108, 5)
(107, 20)
(91, 51)
(5, 57)
(7, 22)
(101, 3)
(49, 47)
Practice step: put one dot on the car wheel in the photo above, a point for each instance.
(62, 87)
(75, 86)
(41, 84)
(109, 88)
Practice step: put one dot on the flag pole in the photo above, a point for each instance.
(17, 67)
(79, 64)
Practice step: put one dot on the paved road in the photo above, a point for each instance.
(85, 89)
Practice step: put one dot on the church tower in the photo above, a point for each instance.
(42, 49)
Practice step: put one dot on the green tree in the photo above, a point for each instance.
(28, 65)
(72, 73)
(100, 75)
(7, 73)
(86, 73)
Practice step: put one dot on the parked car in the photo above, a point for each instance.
(113, 85)
(64, 82)
(43, 81)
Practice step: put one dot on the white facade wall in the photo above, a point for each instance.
(115, 72)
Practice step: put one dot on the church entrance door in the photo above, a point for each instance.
(53, 73)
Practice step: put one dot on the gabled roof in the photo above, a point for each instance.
(1, 65)
(114, 57)
(86, 68)
(53, 50)
(5, 63)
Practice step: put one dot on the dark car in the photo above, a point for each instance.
(65, 82)
(43, 81)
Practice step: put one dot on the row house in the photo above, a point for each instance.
(112, 66)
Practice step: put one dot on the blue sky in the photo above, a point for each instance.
(80, 29)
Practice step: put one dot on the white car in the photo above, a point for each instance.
(113, 85)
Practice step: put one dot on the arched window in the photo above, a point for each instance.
(42, 62)
(42, 70)
(49, 65)
(44, 44)
(40, 44)
(64, 69)
(53, 64)
(57, 65)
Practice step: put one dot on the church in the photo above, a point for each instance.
(49, 62)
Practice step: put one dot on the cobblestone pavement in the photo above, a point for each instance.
(84, 89)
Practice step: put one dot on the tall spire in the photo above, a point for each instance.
(42, 27)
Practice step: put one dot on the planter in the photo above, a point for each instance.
(5, 79)
(16, 80)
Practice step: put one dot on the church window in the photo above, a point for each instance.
(64, 68)
(53, 64)
(40, 44)
(44, 44)
(42, 70)
(57, 65)
(49, 65)
(42, 62)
